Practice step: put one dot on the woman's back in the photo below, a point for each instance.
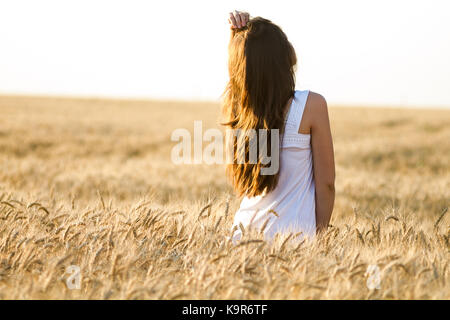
(299, 197)
(290, 207)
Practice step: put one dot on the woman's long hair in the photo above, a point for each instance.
(261, 64)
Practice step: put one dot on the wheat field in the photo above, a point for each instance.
(89, 183)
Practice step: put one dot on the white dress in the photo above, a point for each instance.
(290, 207)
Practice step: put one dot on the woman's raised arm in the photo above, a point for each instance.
(238, 19)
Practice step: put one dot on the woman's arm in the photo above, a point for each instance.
(323, 160)
(238, 19)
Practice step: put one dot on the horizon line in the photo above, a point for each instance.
(202, 100)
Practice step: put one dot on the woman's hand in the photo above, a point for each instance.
(238, 19)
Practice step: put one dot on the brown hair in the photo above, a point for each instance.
(261, 64)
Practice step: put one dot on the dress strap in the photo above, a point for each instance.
(297, 108)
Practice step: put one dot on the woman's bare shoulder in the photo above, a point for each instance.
(316, 111)
(316, 102)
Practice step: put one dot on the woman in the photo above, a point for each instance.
(261, 94)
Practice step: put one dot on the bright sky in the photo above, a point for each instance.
(357, 52)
